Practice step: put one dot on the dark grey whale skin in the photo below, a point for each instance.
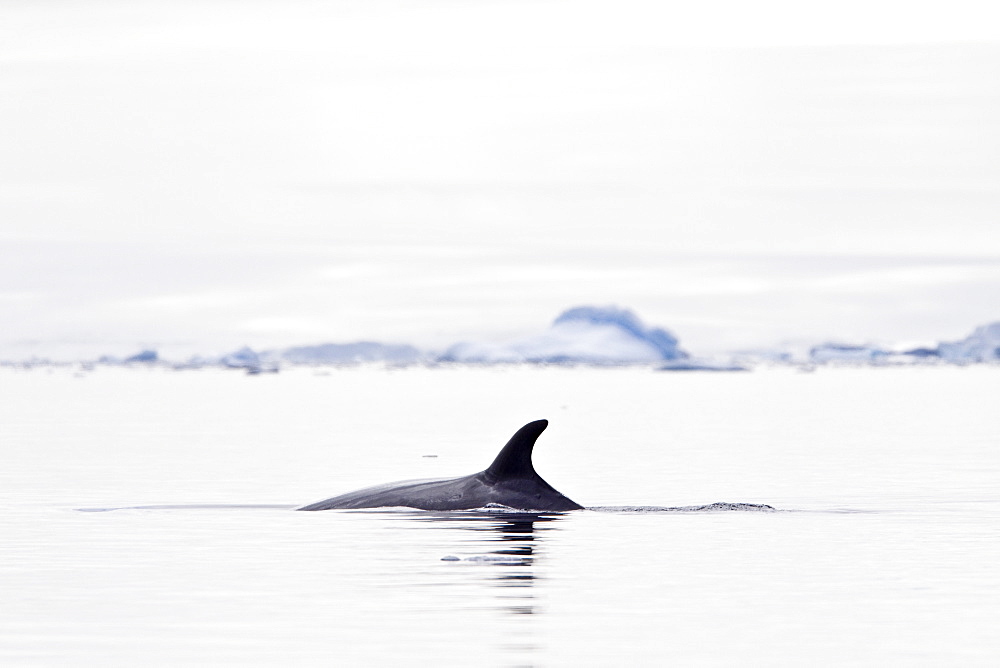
(509, 481)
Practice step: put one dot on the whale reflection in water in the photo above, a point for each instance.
(512, 541)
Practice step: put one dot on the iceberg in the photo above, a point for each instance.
(244, 358)
(846, 354)
(582, 335)
(145, 356)
(325, 353)
(352, 353)
(983, 345)
(922, 353)
(701, 365)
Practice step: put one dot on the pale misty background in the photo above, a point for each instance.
(196, 176)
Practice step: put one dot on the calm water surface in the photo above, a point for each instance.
(884, 550)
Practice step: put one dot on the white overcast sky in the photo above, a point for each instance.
(203, 175)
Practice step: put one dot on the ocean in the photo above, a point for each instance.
(147, 518)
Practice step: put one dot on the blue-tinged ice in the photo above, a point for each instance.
(146, 356)
(983, 345)
(582, 335)
(849, 354)
(691, 364)
(352, 353)
(244, 358)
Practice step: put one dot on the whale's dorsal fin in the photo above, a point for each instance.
(514, 461)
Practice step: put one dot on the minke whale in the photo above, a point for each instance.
(509, 481)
